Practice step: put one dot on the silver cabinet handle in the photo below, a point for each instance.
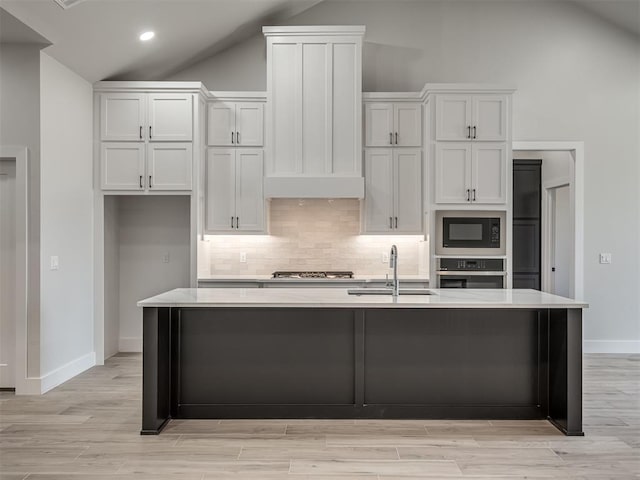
(474, 132)
(238, 138)
(469, 131)
(140, 132)
(396, 222)
(474, 193)
(396, 138)
(390, 138)
(231, 222)
(150, 181)
(232, 137)
(390, 222)
(150, 137)
(468, 195)
(140, 181)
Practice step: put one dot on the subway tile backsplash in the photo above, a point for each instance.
(310, 234)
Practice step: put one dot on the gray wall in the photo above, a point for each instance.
(66, 221)
(20, 126)
(577, 77)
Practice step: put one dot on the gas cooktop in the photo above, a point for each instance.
(329, 274)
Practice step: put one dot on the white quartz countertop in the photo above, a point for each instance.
(339, 298)
(269, 279)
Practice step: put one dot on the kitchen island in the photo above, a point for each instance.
(321, 353)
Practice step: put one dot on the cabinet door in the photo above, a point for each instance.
(379, 124)
(408, 190)
(488, 173)
(170, 117)
(407, 118)
(249, 124)
(453, 117)
(489, 118)
(222, 124)
(378, 201)
(453, 172)
(122, 117)
(169, 166)
(221, 190)
(122, 166)
(249, 197)
(347, 108)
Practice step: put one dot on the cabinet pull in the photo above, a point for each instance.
(396, 222)
(238, 138)
(390, 138)
(237, 222)
(474, 131)
(150, 181)
(469, 131)
(150, 137)
(474, 194)
(231, 222)
(232, 137)
(390, 222)
(140, 181)
(396, 138)
(468, 195)
(140, 132)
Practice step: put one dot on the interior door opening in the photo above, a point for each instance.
(559, 240)
(7, 273)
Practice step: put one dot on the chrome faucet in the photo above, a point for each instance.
(393, 263)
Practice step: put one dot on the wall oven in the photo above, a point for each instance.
(471, 273)
(470, 233)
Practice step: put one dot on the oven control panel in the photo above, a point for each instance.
(472, 264)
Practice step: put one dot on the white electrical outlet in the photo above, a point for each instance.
(385, 257)
(166, 257)
(243, 257)
(55, 262)
(605, 258)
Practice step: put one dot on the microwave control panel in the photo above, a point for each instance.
(472, 264)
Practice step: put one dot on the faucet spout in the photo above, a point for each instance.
(393, 263)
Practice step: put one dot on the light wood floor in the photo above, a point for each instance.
(89, 429)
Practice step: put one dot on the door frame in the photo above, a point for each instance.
(576, 194)
(548, 233)
(21, 156)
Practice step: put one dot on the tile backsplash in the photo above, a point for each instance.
(310, 234)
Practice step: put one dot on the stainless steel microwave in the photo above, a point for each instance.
(471, 233)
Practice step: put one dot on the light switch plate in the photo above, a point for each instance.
(605, 258)
(55, 262)
(385, 257)
(166, 257)
(243, 257)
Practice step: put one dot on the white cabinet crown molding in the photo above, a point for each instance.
(470, 88)
(310, 30)
(231, 96)
(136, 86)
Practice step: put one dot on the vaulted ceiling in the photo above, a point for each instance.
(98, 39)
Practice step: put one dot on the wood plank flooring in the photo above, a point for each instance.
(89, 429)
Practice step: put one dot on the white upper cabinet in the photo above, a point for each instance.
(146, 141)
(471, 117)
(393, 191)
(123, 116)
(236, 124)
(314, 101)
(170, 117)
(234, 194)
(140, 117)
(471, 173)
(169, 166)
(393, 124)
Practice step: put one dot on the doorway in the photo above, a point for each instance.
(559, 239)
(7, 273)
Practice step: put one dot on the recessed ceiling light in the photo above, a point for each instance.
(147, 36)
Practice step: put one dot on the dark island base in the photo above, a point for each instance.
(362, 363)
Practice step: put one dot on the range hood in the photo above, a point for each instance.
(314, 187)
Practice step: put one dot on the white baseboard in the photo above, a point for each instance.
(67, 372)
(130, 344)
(612, 346)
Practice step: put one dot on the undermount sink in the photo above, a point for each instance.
(388, 291)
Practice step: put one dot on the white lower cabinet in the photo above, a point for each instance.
(471, 173)
(167, 166)
(235, 201)
(393, 191)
